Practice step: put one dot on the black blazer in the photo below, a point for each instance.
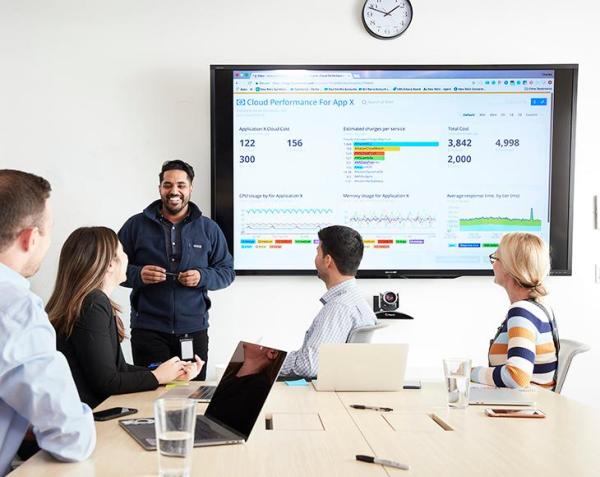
(95, 357)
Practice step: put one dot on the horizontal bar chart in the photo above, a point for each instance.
(365, 153)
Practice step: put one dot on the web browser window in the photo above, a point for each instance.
(431, 167)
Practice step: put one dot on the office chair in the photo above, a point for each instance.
(364, 334)
(568, 350)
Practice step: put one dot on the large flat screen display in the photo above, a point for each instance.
(430, 164)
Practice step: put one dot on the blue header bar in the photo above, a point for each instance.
(453, 74)
(398, 74)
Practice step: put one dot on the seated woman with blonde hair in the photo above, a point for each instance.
(525, 348)
(88, 328)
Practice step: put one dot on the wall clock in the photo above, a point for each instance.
(387, 19)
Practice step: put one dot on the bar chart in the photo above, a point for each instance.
(366, 160)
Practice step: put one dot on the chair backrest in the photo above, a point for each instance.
(568, 350)
(364, 334)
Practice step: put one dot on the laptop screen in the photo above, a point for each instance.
(245, 385)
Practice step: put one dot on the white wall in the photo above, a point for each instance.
(96, 95)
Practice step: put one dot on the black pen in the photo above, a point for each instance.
(389, 463)
(372, 408)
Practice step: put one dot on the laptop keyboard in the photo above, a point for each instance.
(203, 392)
(205, 431)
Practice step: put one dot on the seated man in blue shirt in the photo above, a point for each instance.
(339, 254)
(36, 387)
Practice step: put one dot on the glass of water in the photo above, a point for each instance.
(457, 372)
(175, 422)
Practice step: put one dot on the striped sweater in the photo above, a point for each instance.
(523, 352)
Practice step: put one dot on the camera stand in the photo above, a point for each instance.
(392, 315)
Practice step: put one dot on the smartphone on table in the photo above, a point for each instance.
(113, 413)
(527, 413)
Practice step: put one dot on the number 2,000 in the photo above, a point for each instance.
(458, 159)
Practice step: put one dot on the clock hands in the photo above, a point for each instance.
(380, 11)
(390, 12)
(385, 14)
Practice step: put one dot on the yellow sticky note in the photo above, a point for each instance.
(173, 384)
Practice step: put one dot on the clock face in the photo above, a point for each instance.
(387, 19)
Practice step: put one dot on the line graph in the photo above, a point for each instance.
(283, 227)
(290, 211)
(305, 221)
(395, 220)
(501, 224)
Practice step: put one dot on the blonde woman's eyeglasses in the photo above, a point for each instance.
(494, 258)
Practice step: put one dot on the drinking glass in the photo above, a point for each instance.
(457, 372)
(175, 422)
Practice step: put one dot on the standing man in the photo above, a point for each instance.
(175, 256)
(36, 387)
(339, 254)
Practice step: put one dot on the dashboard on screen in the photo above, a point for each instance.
(432, 165)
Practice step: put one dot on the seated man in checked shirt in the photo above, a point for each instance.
(339, 254)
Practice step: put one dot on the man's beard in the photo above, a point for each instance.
(174, 210)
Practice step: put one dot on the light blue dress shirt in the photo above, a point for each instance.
(36, 387)
(344, 309)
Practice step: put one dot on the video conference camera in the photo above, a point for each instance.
(385, 305)
(387, 301)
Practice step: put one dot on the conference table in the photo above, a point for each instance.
(302, 432)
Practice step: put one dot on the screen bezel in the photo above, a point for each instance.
(562, 161)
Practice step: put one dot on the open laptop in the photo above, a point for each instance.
(236, 404)
(203, 393)
(361, 367)
(491, 396)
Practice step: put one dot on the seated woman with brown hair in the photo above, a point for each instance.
(88, 328)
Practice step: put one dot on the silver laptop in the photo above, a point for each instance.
(490, 396)
(361, 367)
(236, 404)
(201, 394)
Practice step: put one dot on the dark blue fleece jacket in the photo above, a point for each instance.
(169, 306)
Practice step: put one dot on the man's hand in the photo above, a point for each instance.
(153, 274)
(189, 278)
